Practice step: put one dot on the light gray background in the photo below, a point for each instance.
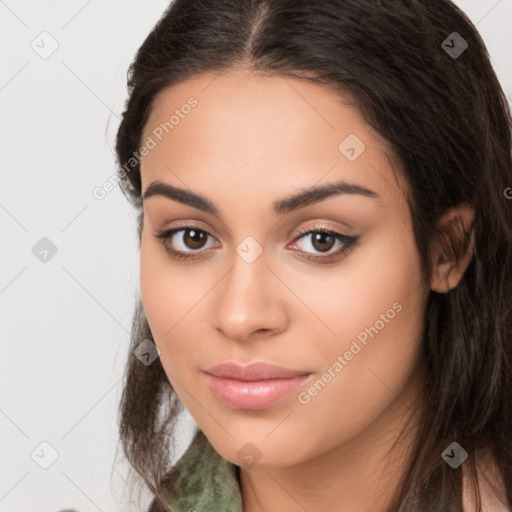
(65, 323)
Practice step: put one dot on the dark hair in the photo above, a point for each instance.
(449, 124)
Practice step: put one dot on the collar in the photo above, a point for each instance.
(204, 480)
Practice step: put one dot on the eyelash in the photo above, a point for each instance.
(348, 242)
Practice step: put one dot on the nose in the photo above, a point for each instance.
(249, 302)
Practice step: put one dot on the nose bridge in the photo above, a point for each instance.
(247, 300)
(245, 287)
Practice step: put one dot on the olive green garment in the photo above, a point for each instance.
(207, 482)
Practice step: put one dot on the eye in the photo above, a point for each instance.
(324, 240)
(188, 240)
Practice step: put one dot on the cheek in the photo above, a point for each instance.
(155, 293)
(348, 298)
(384, 314)
(378, 318)
(364, 374)
(171, 298)
(162, 293)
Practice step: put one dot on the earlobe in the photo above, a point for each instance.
(453, 251)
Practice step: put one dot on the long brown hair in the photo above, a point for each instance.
(448, 121)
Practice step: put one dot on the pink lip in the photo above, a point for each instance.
(253, 386)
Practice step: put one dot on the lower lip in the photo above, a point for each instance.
(256, 394)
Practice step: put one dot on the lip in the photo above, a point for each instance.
(253, 386)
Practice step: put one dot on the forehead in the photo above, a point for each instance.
(251, 128)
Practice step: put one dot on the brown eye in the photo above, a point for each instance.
(186, 242)
(313, 242)
(194, 238)
(323, 241)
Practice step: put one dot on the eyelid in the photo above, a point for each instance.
(348, 242)
(166, 233)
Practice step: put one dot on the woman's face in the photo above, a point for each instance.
(262, 283)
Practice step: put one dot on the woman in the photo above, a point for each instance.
(323, 190)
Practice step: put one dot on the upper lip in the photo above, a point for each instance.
(253, 371)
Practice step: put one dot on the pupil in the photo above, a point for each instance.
(321, 237)
(197, 238)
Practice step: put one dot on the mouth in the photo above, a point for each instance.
(254, 386)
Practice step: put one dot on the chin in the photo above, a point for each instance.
(257, 451)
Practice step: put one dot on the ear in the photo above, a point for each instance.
(453, 251)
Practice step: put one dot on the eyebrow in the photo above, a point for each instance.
(288, 204)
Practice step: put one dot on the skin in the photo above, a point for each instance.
(252, 140)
